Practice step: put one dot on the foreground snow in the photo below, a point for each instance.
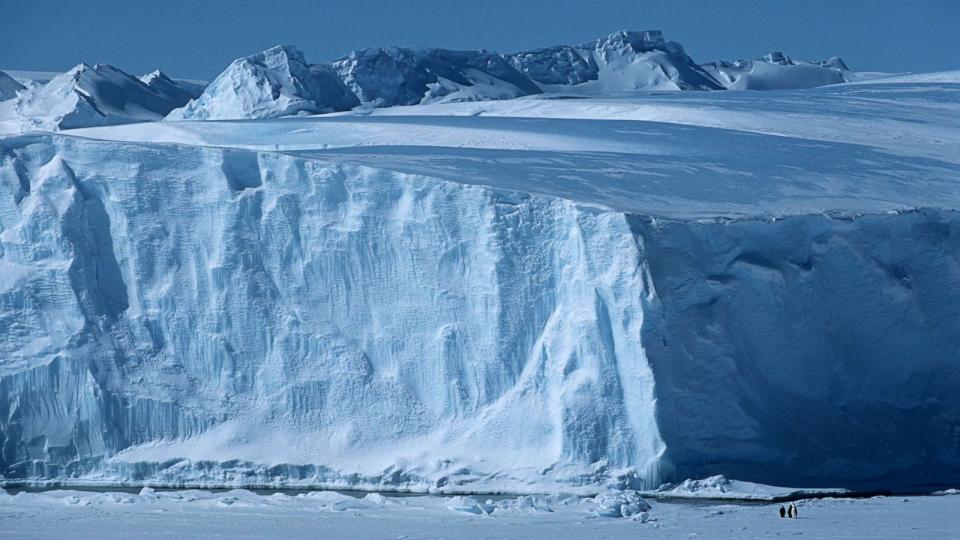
(243, 514)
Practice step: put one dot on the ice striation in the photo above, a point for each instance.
(360, 325)
(276, 82)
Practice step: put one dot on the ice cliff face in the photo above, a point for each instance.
(391, 329)
(276, 82)
(184, 314)
(777, 71)
(831, 341)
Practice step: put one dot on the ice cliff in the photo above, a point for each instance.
(191, 314)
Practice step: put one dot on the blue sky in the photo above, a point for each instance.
(198, 38)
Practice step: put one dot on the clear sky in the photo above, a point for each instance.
(198, 38)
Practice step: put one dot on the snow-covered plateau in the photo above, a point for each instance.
(551, 293)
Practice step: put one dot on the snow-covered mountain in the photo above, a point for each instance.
(621, 62)
(276, 82)
(280, 81)
(408, 76)
(96, 95)
(178, 91)
(526, 295)
(777, 71)
(9, 87)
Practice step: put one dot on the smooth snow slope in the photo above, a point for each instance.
(459, 302)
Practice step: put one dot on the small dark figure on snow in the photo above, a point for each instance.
(792, 511)
(783, 512)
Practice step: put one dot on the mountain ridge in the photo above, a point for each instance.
(281, 82)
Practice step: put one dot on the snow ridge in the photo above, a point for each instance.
(279, 82)
(406, 76)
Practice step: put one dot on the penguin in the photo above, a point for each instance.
(795, 512)
(783, 512)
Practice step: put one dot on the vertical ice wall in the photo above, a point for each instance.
(185, 314)
(232, 307)
(810, 350)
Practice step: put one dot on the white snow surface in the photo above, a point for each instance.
(244, 514)
(530, 296)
